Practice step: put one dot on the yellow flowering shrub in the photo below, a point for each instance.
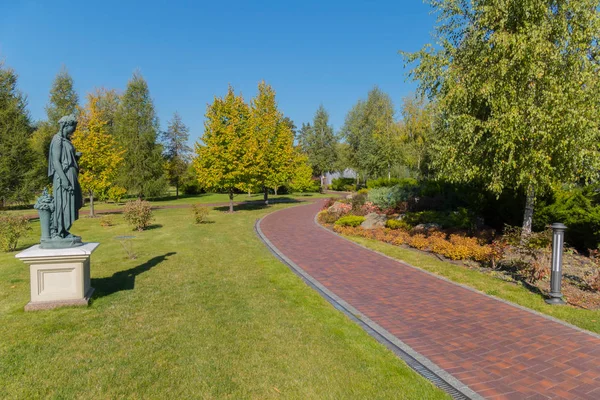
(418, 241)
(454, 247)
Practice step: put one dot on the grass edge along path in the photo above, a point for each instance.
(492, 347)
(587, 320)
(205, 311)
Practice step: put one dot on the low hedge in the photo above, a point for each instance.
(343, 184)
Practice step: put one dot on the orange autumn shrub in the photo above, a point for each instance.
(400, 238)
(455, 247)
(418, 241)
(436, 234)
(346, 230)
(498, 249)
(440, 246)
(483, 253)
(461, 240)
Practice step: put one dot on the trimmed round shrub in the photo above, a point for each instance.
(398, 224)
(350, 220)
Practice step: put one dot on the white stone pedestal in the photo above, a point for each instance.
(58, 277)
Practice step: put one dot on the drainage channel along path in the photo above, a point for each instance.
(470, 344)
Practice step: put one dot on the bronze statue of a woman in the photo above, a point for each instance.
(66, 192)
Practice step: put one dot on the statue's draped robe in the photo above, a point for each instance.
(67, 203)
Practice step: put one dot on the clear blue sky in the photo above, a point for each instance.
(311, 52)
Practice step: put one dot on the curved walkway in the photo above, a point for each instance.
(498, 350)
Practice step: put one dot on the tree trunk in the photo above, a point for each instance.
(266, 196)
(528, 214)
(92, 212)
(231, 201)
(177, 188)
(275, 190)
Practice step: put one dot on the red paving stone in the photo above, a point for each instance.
(498, 350)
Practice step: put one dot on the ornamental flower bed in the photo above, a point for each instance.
(453, 247)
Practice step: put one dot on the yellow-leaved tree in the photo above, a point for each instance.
(301, 179)
(100, 155)
(225, 156)
(272, 141)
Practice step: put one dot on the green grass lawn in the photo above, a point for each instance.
(205, 311)
(586, 319)
(224, 198)
(205, 198)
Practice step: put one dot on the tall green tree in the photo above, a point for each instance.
(16, 154)
(177, 152)
(108, 106)
(224, 157)
(319, 142)
(288, 121)
(517, 87)
(357, 139)
(416, 129)
(379, 123)
(63, 98)
(373, 135)
(136, 131)
(273, 142)
(344, 155)
(302, 136)
(63, 101)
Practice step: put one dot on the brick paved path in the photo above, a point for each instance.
(498, 350)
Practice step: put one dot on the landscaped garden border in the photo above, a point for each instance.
(587, 321)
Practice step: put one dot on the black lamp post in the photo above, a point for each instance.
(558, 239)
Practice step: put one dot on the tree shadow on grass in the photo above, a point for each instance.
(124, 280)
(153, 226)
(257, 204)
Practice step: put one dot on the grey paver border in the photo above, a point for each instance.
(510, 303)
(440, 377)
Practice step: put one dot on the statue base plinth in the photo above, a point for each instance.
(61, 243)
(59, 277)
